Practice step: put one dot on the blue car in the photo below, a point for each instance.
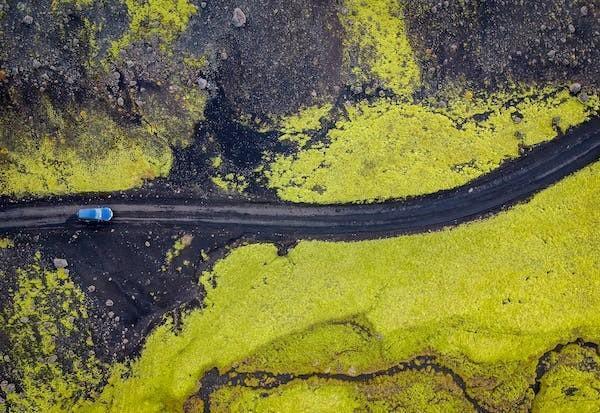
(103, 214)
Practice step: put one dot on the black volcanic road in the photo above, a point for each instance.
(513, 182)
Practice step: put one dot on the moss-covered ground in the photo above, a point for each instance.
(398, 146)
(79, 151)
(50, 347)
(486, 299)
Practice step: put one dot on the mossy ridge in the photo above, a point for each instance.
(571, 382)
(50, 343)
(78, 151)
(500, 288)
(388, 150)
(406, 391)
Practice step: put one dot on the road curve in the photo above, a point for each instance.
(511, 183)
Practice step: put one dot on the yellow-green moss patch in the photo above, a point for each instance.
(179, 245)
(6, 243)
(49, 343)
(406, 391)
(572, 382)
(504, 291)
(78, 152)
(388, 150)
(160, 19)
(376, 45)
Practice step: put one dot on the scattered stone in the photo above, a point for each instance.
(551, 54)
(111, 314)
(132, 83)
(36, 64)
(60, 262)
(575, 88)
(91, 288)
(516, 118)
(583, 97)
(120, 101)
(583, 10)
(202, 83)
(53, 358)
(28, 20)
(147, 243)
(224, 55)
(239, 18)
(109, 303)
(203, 4)
(571, 28)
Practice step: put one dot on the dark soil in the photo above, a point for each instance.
(493, 43)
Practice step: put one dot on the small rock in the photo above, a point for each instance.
(36, 64)
(583, 97)
(202, 83)
(28, 19)
(60, 262)
(575, 88)
(224, 55)
(239, 18)
(516, 118)
(203, 4)
(109, 303)
(556, 121)
(147, 243)
(129, 63)
(52, 358)
(120, 101)
(551, 54)
(132, 83)
(571, 28)
(91, 288)
(583, 10)
(111, 314)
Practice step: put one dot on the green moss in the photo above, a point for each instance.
(388, 150)
(180, 244)
(505, 290)
(304, 396)
(6, 243)
(375, 43)
(406, 391)
(77, 152)
(80, 4)
(173, 116)
(159, 19)
(49, 342)
(230, 182)
(572, 382)
(396, 147)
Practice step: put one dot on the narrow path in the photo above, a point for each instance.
(513, 182)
